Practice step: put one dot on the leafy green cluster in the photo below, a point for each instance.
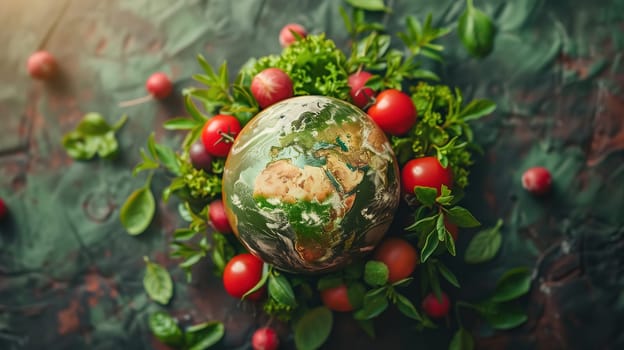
(93, 136)
(200, 184)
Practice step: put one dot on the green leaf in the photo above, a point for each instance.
(313, 329)
(374, 303)
(441, 228)
(430, 246)
(168, 158)
(484, 245)
(77, 146)
(92, 136)
(93, 124)
(157, 282)
(368, 326)
(355, 293)
(477, 109)
(375, 273)
(262, 282)
(281, 290)
(166, 329)
(204, 335)
(407, 308)
(462, 340)
(462, 217)
(137, 212)
(426, 195)
(181, 123)
(504, 316)
(447, 274)
(423, 225)
(476, 31)
(450, 243)
(513, 284)
(368, 5)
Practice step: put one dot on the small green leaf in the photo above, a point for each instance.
(447, 274)
(426, 195)
(261, 283)
(513, 284)
(368, 5)
(281, 290)
(430, 246)
(476, 31)
(484, 245)
(375, 273)
(93, 136)
(375, 302)
(450, 243)
(462, 340)
(462, 217)
(181, 123)
(368, 326)
(93, 124)
(423, 225)
(355, 293)
(441, 228)
(166, 329)
(138, 211)
(157, 282)
(313, 329)
(505, 316)
(168, 158)
(204, 335)
(477, 109)
(407, 308)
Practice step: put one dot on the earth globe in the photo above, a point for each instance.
(311, 183)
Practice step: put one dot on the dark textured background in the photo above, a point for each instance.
(70, 277)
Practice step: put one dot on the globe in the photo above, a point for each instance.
(311, 183)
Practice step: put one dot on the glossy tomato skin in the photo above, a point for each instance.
(271, 86)
(286, 37)
(218, 134)
(241, 274)
(217, 216)
(265, 338)
(159, 85)
(537, 180)
(425, 172)
(360, 95)
(394, 112)
(434, 307)
(399, 255)
(336, 298)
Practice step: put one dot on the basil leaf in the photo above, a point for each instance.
(430, 246)
(138, 211)
(181, 123)
(477, 109)
(426, 195)
(462, 340)
(368, 5)
(505, 316)
(462, 217)
(512, 284)
(423, 225)
(168, 158)
(157, 282)
(374, 303)
(313, 329)
(166, 329)
(376, 273)
(281, 290)
(204, 335)
(407, 308)
(484, 245)
(476, 31)
(447, 274)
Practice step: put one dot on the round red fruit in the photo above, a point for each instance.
(271, 86)
(3, 209)
(241, 274)
(360, 94)
(200, 158)
(537, 180)
(159, 85)
(336, 298)
(434, 307)
(218, 134)
(399, 255)
(265, 339)
(218, 218)
(286, 36)
(394, 112)
(425, 172)
(41, 65)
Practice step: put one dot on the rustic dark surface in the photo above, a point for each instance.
(70, 277)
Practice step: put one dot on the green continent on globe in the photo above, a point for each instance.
(310, 184)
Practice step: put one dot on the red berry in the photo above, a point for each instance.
(218, 218)
(271, 86)
(200, 158)
(3, 209)
(360, 95)
(537, 180)
(159, 85)
(41, 65)
(265, 339)
(434, 307)
(286, 37)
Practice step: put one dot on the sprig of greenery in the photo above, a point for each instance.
(199, 336)
(93, 136)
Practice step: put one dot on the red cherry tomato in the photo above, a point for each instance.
(218, 218)
(271, 86)
(360, 95)
(434, 307)
(394, 112)
(399, 255)
(265, 338)
(41, 65)
(336, 298)
(200, 158)
(537, 180)
(286, 37)
(159, 85)
(425, 172)
(241, 274)
(218, 134)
